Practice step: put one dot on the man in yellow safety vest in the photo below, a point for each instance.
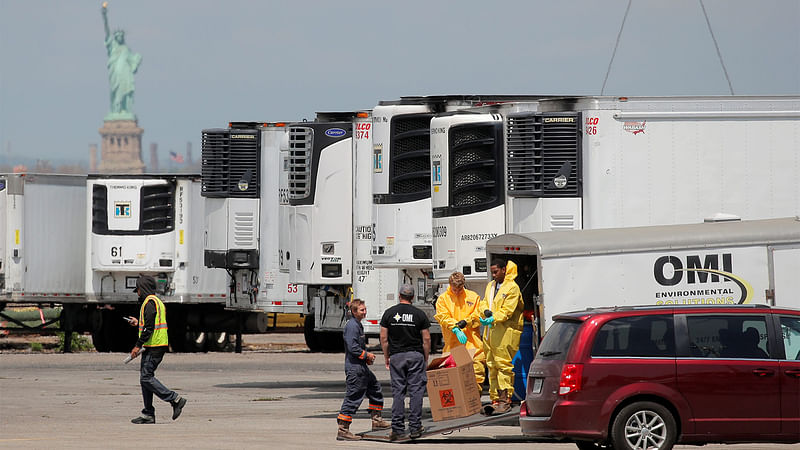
(152, 323)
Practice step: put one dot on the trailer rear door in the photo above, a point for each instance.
(785, 261)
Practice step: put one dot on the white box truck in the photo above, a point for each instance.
(730, 262)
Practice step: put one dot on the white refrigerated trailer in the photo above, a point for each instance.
(603, 162)
(42, 238)
(245, 182)
(153, 224)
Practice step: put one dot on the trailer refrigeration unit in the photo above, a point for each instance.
(717, 263)
(402, 182)
(42, 238)
(245, 182)
(153, 225)
(330, 220)
(603, 162)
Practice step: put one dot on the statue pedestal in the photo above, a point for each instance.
(121, 150)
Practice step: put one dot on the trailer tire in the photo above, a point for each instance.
(311, 336)
(123, 338)
(99, 341)
(220, 342)
(334, 342)
(195, 341)
(102, 337)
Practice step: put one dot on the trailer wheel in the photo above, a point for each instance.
(195, 341)
(102, 336)
(123, 337)
(334, 342)
(312, 337)
(99, 341)
(220, 342)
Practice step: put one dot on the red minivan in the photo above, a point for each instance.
(650, 377)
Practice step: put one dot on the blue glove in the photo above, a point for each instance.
(460, 335)
(488, 321)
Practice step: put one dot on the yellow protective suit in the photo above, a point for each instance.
(501, 341)
(450, 309)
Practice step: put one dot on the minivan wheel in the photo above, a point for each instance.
(643, 426)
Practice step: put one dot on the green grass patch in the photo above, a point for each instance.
(80, 343)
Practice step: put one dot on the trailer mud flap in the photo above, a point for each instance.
(445, 426)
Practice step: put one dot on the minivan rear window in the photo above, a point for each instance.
(557, 340)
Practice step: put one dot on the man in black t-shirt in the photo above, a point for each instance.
(406, 343)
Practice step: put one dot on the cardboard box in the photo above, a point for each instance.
(453, 391)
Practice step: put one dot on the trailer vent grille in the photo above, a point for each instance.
(301, 140)
(99, 209)
(158, 208)
(476, 158)
(230, 165)
(543, 154)
(244, 229)
(410, 169)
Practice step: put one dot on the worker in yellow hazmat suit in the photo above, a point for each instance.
(458, 313)
(501, 339)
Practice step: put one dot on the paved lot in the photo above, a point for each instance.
(276, 395)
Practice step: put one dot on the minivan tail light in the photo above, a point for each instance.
(570, 380)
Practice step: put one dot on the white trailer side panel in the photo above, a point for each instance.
(680, 162)
(54, 238)
(655, 278)
(44, 236)
(196, 278)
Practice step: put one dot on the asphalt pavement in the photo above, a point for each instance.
(274, 395)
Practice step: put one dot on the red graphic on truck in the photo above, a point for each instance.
(634, 127)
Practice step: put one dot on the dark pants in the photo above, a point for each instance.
(407, 371)
(151, 358)
(360, 382)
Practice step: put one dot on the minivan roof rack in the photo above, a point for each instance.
(604, 309)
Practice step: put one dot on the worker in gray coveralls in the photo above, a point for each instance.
(360, 380)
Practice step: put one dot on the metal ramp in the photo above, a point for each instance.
(433, 428)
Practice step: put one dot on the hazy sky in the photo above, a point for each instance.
(206, 63)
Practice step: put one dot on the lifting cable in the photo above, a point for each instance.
(713, 38)
(616, 44)
(719, 54)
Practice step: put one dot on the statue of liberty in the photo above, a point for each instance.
(122, 64)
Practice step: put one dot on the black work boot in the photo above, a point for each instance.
(144, 419)
(177, 407)
(344, 433)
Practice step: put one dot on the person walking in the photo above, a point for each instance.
(501, 339)
(406, 344)
(458, 313)
(360, 380)
(152, 323)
